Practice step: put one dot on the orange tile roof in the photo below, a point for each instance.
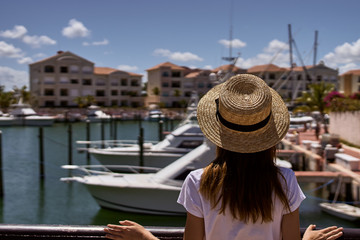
(166, 64)
(192, 74)
(59, 53)
(352, 72)
(107, 71)
(266, 68)
(227, 67)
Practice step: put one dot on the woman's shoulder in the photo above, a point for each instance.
(196, 174)
(286, 172)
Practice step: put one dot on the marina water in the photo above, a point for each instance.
(30, 200)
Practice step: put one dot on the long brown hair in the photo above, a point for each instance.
(244, 183)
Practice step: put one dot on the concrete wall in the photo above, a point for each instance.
(346, 125)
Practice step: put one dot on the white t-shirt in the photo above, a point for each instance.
(220, 226)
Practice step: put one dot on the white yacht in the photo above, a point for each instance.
(175, 145)
(149, 193)
(22, 114)
(95, 114)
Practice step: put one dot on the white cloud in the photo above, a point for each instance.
(25, 60)
(75, 29)
(37, 41)
(345, 54)
(276, 53)
(209, 67)
(235, 43)
(17, 32)
(10, 77)
(8, 50)
(177, 56)
(128, 68)
(104, 42)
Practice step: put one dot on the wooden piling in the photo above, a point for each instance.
(102, 133)
(88, 140)
(161, 123)
(41, 153)
(69, 144)
(141, 148)
(1, 168)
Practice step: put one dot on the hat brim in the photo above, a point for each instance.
(243, 142)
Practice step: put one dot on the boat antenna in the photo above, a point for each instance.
(230, 58)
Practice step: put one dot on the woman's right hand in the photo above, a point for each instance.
(329, 233)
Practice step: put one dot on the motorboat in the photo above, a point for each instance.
(22, 114)
(147, 193)
(95, 114)
(155, 115)
(176, 144)
(341, 210)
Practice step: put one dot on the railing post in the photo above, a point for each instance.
(102, 134)
(70, 144)
(41, 153)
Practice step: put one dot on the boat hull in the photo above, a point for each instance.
(341, 210)
(138, 200)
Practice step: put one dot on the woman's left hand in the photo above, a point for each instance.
(128, 230)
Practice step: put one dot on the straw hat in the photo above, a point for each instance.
(243, 115)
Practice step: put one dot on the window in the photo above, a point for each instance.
(175, 84)
(209, 85)
(165, 94)
(200, 85)
(134, 83)
(114, 103)
(100, 82)
(124, 93)
(63, 92)
(74, 81)
(86, 82)
(63, 103)
(271, 76)
(165, 74)
(74, 69)
(188, 85)
(49, 80)
(123, 82)
(165, 84)
(187, 94)
(319, 78)
(87, 69)
(64, 80)
(63, 69)
(114, 92)
(114, 82)
(299, 77)
(49, 69)
(359, 79)
(49, 92)
(176, 74)
(49, 103)
(100, 93)
(124, 103)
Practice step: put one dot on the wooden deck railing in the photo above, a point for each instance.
(52, 232)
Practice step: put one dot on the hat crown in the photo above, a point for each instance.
(245, 100)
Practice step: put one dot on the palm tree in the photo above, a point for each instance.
(313, 100)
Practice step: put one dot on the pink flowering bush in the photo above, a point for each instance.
(332, 95)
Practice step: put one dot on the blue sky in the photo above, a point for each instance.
(134, 35)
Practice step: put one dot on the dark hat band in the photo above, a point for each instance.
(238, 127)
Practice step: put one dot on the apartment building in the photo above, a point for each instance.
(58, 80)
(350, 82)
(291, 82)
(170, 85)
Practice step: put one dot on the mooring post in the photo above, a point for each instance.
(1, 169)
(41, 153)
(70, 144)
(161, 122)
(111, 128)
(88, 141)
(115, 129)
(141, 148)
(102, 134)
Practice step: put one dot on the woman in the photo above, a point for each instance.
(242, 194)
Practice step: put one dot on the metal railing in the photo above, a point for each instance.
(20, 231)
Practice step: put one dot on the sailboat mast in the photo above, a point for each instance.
(315, 47)
(290, 48)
